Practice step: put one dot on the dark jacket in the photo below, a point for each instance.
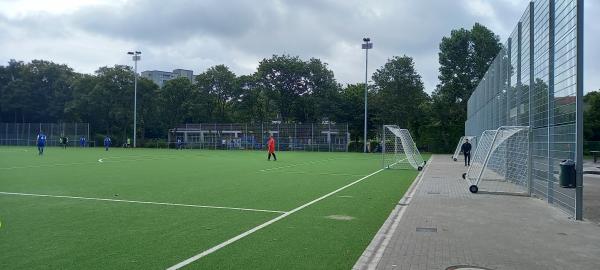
(466, 148)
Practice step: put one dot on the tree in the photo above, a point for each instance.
(351, 110)
(591, 116)
(464, 58)
(35, 92)
(322, 100)
(249, 102)
(175, 102)
(399, 95)
(284, 80)
(218, 83)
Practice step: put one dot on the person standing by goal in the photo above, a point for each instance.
(271, 147)
(466, 149)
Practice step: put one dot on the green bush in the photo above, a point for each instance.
(355, 147)
(155, 143)
(374, 146)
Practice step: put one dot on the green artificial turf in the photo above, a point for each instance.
(65, 233)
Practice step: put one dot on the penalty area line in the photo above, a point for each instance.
(261, 226)
(140, 202)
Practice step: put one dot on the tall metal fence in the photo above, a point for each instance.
(327, 137)
(25, 134)
(537, 81)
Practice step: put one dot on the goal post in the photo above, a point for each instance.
(399, 150)
(501, 161)
(460, 143)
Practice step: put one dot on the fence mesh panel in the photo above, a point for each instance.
(536, 80)
(24, 134)
(328, 137)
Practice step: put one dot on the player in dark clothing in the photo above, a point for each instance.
(64, 141)
(466, 149)
(41, 143)
(107, 142)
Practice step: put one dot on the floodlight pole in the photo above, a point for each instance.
(366, 46)
(136, 57)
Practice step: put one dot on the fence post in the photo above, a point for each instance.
(28, 133)
(312, 137)
(329, 135)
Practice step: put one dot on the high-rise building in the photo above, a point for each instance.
(161, 77)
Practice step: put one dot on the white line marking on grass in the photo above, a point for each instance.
(100, 160)
(141, 202)
(332, 174)
(253, 230)
(79, 163)
(298, 164)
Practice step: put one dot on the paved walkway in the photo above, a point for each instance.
(443, 225)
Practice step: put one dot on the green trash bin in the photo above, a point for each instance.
(567, 174)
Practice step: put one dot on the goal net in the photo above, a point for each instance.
(399, 150)
(460, 143)
(500, 163)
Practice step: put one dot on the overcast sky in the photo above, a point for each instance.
(197, 34)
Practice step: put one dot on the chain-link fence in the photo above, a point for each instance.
(328, 137)
(25, 134)
(537, 81)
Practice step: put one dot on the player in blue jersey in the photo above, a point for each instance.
(82, 141)
(107, 142)
(41, 142)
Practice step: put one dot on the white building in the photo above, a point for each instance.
(161, 77)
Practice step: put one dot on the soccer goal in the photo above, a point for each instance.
(500, 163)
(399, 150)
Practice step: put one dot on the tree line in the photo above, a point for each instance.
(284, 88)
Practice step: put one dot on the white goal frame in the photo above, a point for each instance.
(501, 161)
(399, 150)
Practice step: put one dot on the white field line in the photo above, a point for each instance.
(406, 199)
(253, 230)
(298, 164)
(141, 202)
(102, 160)
(332, 174)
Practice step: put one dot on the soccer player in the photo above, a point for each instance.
(179, 143)
(64, 141)
(82, 141)
(107, 142)
(271, 147)
(466, 149)
(41, 142)
(128, 143)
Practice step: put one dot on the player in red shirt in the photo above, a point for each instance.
(271, 147)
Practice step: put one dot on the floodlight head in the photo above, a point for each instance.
(129, 52)
(366, 39)
(138, 52)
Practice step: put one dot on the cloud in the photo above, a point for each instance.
(198, 34)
